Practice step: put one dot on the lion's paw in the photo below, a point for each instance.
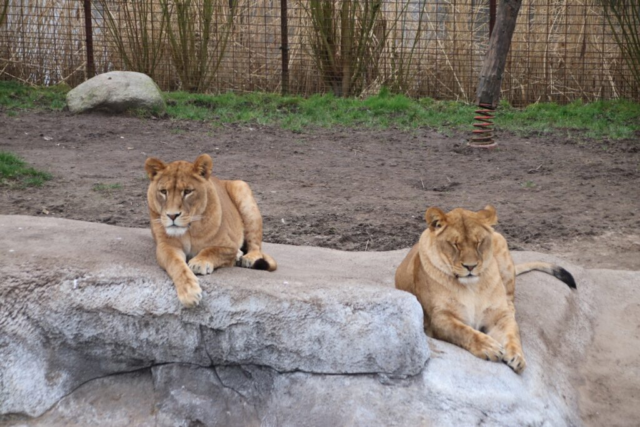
(189, 292)
(239, 256)
(487, 348)
(201, 266)
(245, 262)
(514, 358)
(251, 260)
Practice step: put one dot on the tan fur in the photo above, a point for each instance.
(214, 218)
(471, 307)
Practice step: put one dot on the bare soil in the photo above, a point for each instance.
(347, 189)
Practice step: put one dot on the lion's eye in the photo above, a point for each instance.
(455, 246)
(187, 192)
(163, 192)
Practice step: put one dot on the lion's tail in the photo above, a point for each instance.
(272, 262)
(265, 263)
(555, 270)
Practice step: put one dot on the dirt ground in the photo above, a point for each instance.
(345, 189)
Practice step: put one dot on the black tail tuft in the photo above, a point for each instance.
(261, 264)
(565, 276)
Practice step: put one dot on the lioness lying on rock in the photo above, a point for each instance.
(464, 278)
(201, 219)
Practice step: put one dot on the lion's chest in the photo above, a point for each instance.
(192, 245)
(470, 306)
(475, 304)
(201, 238)
(185, 240)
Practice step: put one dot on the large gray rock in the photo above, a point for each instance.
(116, 92)
(82, 300)
(117, 400)
(187, 394)
(80, 303)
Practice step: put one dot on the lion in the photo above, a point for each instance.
(201, 223)
(462, 274)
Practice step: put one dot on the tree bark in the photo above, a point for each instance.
(488, 92)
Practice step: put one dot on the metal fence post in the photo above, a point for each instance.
(284, 47)
(88, 30)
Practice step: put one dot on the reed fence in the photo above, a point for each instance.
(562, 50)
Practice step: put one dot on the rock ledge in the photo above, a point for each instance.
(81, 300)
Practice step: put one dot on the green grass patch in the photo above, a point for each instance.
(613, 120)
(15, 96)
(15, 172)
(617, 119)
(296, 113)
(106, 188)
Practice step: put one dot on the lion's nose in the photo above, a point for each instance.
(469, 266)
(174, 216)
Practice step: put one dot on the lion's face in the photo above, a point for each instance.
(463, 241)
(178, 192)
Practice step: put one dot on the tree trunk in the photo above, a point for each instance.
(493, 67)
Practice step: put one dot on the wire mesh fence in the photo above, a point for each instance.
(562, 50)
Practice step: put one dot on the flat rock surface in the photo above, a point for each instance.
(99, 338)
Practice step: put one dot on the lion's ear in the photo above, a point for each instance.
(203, 165)
(152, 166)
(436, 219)
(488, 214)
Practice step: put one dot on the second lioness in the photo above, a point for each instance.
(201, 223)
(462, 273)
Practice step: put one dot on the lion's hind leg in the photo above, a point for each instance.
(253, 257)
(258, 261)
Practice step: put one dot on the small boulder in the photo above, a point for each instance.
(116, 92)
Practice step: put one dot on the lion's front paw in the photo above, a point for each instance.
(189, 292)
(487, 348)
(514, 358)
(201, 266)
